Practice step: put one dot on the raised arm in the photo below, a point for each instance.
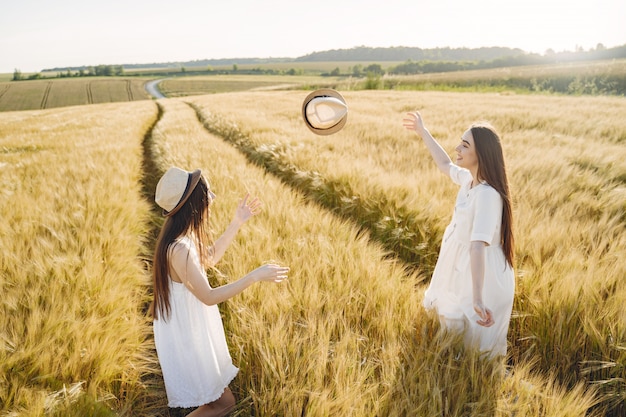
(413, 121)
(245, 210)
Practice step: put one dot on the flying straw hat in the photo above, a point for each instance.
(174, 188)
(324, 111)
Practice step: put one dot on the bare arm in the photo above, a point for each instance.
(477, 265)
(245, 210)
(413, 121)
(186, 267)
(200, 287)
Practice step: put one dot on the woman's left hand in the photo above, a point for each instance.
(486, 315)
(247, 209)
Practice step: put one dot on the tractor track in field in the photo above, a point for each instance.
(3, 92)
(129, 90)
(46, 94)
(150, 174)
(89, 93)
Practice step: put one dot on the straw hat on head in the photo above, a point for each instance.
(325, 111)
(174, 188)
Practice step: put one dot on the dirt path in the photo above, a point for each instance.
(152, 87)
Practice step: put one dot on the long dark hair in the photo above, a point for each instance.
(192, 218)
(491, 169)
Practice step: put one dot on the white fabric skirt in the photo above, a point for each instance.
(192, 350)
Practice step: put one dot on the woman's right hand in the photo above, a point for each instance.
(270, 272)
(486, 315)
(413, 121)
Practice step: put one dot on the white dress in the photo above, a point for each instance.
(191, 344)
(477, 217)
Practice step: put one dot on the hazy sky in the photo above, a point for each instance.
(38, 34)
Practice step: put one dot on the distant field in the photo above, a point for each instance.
(210, 84)
(308, 68)
(581, 78)
(589, 77)
(60, 92)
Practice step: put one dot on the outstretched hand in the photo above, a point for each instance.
(247, 209)
(413, 121)
(270, 272)
(486, 315)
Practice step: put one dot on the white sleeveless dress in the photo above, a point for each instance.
(477, 217)
(191, 344)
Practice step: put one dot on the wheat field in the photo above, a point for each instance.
(71, 247)
(346, 334)
(60, 92)
(568, 175)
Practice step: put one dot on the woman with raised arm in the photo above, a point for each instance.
(473, 283)
(188, 331)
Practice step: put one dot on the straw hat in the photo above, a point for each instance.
(324, 111)
(174, 188)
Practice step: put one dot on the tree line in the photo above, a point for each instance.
(484, 54)
(447, 59)
(91, 71)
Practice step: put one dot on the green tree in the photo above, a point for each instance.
(104, 70)
(336, 72)
(17, 75)
(374, 69)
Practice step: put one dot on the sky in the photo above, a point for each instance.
(39, 34)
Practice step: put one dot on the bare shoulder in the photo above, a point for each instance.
(181, 246)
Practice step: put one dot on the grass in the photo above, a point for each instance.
(72, 335)
(567, 172)
(346, 335)
(287, 312)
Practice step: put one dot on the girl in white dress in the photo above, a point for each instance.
(473, 282)
(188, 331)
